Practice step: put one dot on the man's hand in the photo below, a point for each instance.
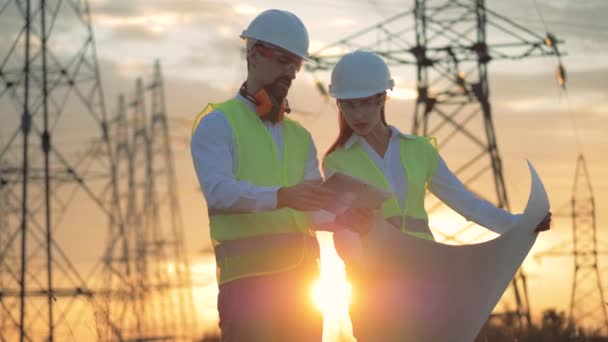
(357, 220)
(305, 196)
(545, 224)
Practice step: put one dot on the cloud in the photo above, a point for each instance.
(538, 92)
(192, 37)
(215, 58)
(246, 9)
(138, 32)
(183, 96)
(139, 20)
(184, 9)
(341, 22)
(580, 23)
(402, 93)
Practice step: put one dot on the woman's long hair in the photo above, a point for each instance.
(346, 132)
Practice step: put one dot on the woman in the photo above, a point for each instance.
(406, 165)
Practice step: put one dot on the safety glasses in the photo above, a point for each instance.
(283, 58)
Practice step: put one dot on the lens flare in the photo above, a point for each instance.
(331, 296)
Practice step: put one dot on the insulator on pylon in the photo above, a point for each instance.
(460, 80)
(321, 88)
(561, 75)
(550, 40)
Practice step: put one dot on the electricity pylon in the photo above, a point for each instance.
(587, 301)
(49, 84)
(145, 257)
(59, 186)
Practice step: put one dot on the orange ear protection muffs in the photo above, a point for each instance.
(263, 103)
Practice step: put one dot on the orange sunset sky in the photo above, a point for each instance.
(197, 43)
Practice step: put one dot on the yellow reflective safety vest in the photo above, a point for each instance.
(261, 243)
(419, 158)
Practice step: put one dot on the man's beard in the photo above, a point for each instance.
(276, 89)
(277, 93)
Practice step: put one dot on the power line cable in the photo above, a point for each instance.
(562, 90)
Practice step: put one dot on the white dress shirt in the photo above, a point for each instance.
(214, 155)
(444, 184)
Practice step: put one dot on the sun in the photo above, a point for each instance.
(331, 295)
(331, 292)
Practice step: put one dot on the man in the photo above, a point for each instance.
(259, 173)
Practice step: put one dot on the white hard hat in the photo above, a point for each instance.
(360, 74)
(281, 28)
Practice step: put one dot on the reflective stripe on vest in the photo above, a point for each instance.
(419, 159)
(257, 244)
(415, 226)
(259, 164)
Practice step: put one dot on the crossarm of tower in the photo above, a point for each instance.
(444, 37)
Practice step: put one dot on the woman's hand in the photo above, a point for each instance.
(545, 224)
(357, 220)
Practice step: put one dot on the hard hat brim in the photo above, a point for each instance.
(244, 35)
(358, 94)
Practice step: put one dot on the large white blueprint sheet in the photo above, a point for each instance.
(450, 291)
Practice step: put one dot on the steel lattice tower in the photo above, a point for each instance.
(49, 83)
(146, 254)
(59, 176)
(587, 300)
(167, 210)
(451, 54)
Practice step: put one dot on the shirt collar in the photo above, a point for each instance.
(248, 103)
(395, 133)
